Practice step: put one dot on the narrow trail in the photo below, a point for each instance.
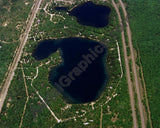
(42, 99)
(119, 58)
(51, 15)
(135, 125)
(19, 52)
(26, 99)
(137, 85)
(101, 118)
(120, 63)
(58, 120)
(5, 42)
(145, 90)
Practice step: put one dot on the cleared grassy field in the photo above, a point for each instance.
(144, 20)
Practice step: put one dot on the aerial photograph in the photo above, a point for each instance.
(79, 64)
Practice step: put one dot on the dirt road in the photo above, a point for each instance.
(136, 80)
(19, 52)
(135, 125)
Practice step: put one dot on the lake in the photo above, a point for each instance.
(82, 75)
(90, 14)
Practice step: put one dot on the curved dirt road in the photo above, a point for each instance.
(19, 52)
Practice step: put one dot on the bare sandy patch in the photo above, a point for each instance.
(5, 24)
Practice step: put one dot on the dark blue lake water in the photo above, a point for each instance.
(90, 14)
(82, 75)
(61, 9)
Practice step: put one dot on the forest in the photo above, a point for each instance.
(32, 76)
(144, 20)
